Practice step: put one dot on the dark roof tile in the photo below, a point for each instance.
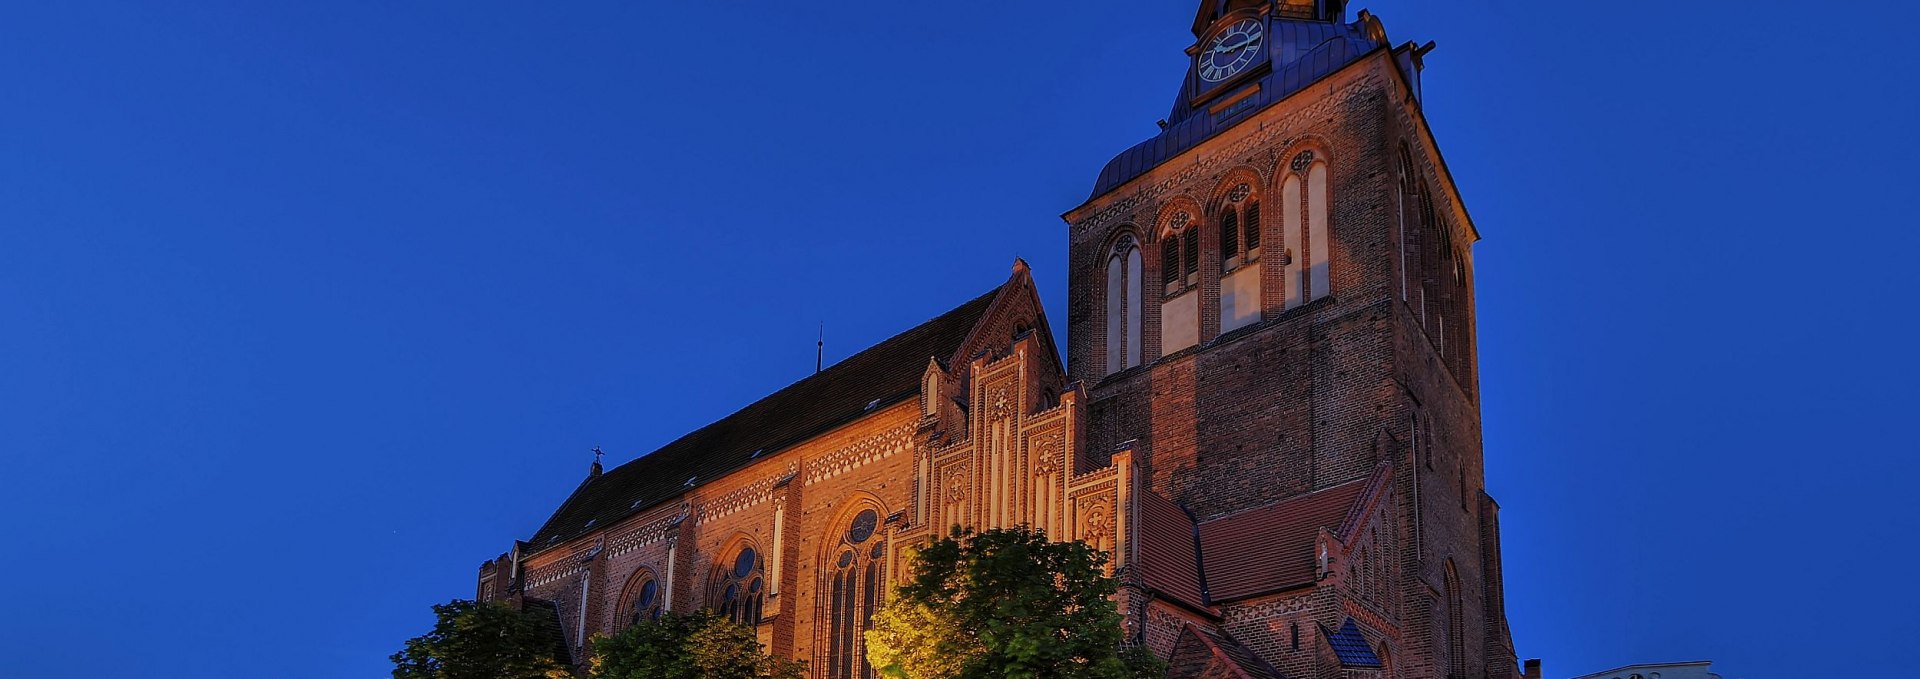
(1168, 561)
(883, 374)
(1272, 548)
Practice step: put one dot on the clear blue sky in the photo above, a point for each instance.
(307, 309)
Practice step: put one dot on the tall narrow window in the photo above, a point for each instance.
(853, 590)
(1123, 305)
(1306, 204)
(1319, 240)
(1251, 217)
(1240, 303)
(1180, 270)
(1190, 256)
(739, 589)
(1230, 238)
(1456, 627)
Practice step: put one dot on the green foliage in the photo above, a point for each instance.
(1142, 663)
(691, 646)
(472, 640)
(1004, 603)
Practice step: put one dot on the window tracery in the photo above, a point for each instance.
(854, 572)
(643, 595)
(739, 588)
(1124, 278)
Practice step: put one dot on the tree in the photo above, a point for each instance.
(688, 646)
(472, 640)
(1004, 603)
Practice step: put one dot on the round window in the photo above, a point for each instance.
(743, 564)
(648, 591)
(863, 525)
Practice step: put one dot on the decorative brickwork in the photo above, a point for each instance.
(1285, 468)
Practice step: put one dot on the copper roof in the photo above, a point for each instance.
(1300, 51)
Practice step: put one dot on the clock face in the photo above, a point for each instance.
(1231, 50)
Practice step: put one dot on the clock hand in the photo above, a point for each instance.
(1235, 48)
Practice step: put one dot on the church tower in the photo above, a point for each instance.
(1271, 302)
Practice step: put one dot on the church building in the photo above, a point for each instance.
(1267, 410)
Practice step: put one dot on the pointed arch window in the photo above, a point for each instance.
(1305, 215)
(1239, 229)
(1240, 301)
(1456, 626)
(1123, 304)
(1180, 255)
(642, 599)
(853, 575)
(739, 588)
(1180, 276)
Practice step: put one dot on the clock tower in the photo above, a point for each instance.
(1271, 305)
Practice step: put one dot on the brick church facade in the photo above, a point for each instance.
(1268, 412)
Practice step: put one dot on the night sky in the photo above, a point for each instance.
(306, 309)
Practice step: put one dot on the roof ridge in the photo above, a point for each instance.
(1376, 484)
(822, 373)
(1302, 496)
(889, 370)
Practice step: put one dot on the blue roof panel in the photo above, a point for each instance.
(1300, 52)
(1352, 647)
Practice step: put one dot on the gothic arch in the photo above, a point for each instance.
(1236, 223)
(1123, 263)
(641, 597)
(853, 581)
(1177, 275)
(1456, 624)
(737, 582)
(1303, 178)
(1240, 174)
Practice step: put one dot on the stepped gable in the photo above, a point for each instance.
(882, 375)
(1271, 548)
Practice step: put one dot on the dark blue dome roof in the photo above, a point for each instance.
(1301, 52)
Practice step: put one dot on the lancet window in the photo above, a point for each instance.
(853, 574)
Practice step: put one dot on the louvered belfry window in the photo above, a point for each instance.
(1170, 260)
(1229, 234)
(1190, 259)
(1252, 227)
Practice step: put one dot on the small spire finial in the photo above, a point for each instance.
(595, 469)
(820, 349)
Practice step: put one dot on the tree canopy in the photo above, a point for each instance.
(1004, 603)
(688, 646)
(472, 640)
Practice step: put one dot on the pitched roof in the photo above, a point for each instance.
(1203, 652)
(1168, 562)
(1271, 548)
(882, 375)
(1351, 647)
